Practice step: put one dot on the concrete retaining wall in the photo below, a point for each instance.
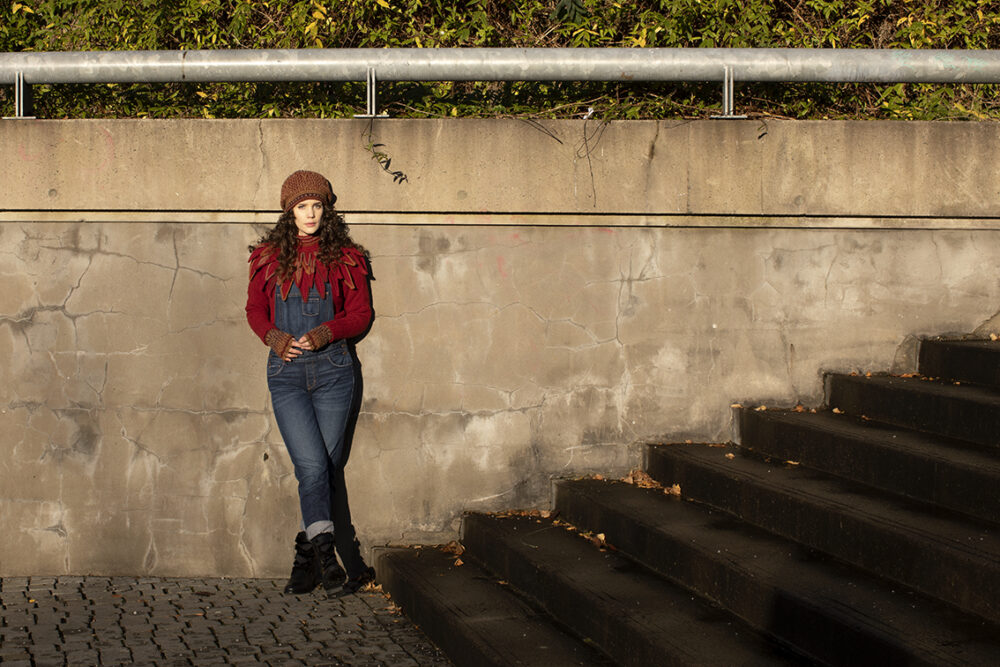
(548, 296)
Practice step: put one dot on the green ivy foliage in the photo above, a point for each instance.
(88, 25)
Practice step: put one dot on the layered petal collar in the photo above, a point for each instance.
(309, 271)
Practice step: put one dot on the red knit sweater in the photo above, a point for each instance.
(347, 280)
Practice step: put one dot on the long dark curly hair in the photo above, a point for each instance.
(333, 235)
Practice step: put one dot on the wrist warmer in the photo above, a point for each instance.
(319, 336)
(278, 341)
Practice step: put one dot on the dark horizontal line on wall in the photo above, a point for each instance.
(516, 219)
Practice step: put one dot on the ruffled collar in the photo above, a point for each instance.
(309, 271)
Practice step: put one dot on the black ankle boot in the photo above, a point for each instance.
(355, 584)
(305, 568)
(332, 575)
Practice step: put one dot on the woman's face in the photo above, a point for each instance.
(308, 216)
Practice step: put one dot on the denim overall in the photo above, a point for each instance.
(311, 396)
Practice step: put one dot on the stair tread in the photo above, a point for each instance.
(778, 572)
(624, 609)
(471, 616)
(905, 441)
(978, 344)
(889, 536)
(973, 539)
(952, 474)
(971, 393)
(972, 360)
(967, 412)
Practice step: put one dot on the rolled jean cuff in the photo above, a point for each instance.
(317, 527)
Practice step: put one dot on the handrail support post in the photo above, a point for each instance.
(728, 88)
(372, 106)
(23, 99)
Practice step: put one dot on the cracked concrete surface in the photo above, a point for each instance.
(138, 436)
(139, 431)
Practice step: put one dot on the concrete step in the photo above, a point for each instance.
(975, 361)
(963, 412)
(920, 467)
(474, 619)
(633, 616)
(956, 561)
(835, 614)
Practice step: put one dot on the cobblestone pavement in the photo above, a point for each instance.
(154, 621)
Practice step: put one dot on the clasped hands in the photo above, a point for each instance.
(288, 348)
(296, 347)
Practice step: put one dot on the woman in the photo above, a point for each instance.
(308, 297)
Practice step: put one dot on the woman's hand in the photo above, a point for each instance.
(302, 344)
(288, 348)
(295, 348)
(283, 344)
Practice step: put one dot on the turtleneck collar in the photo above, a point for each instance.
(308, 242)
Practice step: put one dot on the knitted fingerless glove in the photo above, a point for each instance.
(279, 341)
(319, 336)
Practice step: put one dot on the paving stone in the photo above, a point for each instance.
(180, 622)
(116, 655)
(50, 661)
(176, 662)
(10, 654)
(90, 657)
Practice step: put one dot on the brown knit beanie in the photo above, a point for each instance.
(306, 185)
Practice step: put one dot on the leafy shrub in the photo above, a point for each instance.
(84, 25)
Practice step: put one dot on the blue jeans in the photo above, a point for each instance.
(311, 396)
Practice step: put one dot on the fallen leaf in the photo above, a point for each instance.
(760, 408)
(730, 456)
(837, 411)
(993, 337)
(800, 408)
(674, 490)
(458, 562)
(641, 479)
(736, 405)
(454, 548)
(792, 463)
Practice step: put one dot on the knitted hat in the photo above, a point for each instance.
(306, 185)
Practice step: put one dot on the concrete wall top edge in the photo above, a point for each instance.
(755, 167)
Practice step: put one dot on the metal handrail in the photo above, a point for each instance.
(505, 64)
